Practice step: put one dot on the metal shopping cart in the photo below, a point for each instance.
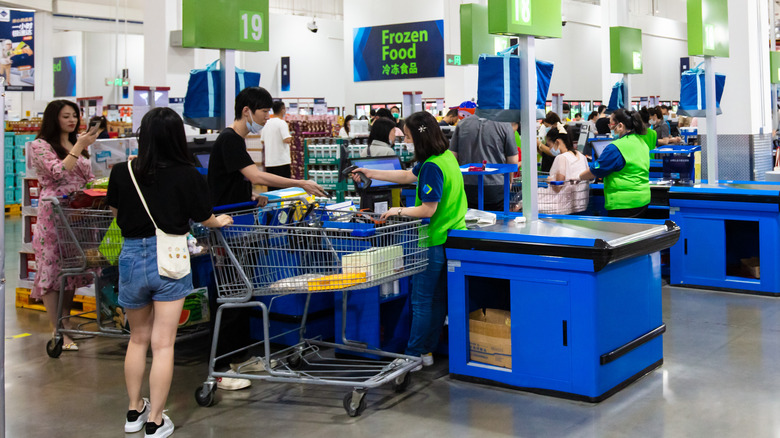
(292, 249)
(89, 246)
(555, 197)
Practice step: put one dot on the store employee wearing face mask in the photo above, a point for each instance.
(625, 166)
(231, 170)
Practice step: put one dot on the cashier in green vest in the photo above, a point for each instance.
(440, 197)
(625, 166)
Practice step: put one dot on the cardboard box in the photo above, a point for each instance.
(751, 267)
(490, 336)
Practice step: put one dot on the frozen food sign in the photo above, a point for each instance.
(399, 51)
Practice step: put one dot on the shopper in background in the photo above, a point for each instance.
(344, 131)
(566, 117)
(440, 198)
(661, 127)
(602, 123)
(380, 139)
(577, 117)
(548, 156)
(477, 140)
(450, 119)
(387, 114)
(172, 189)
(103, 126)
(569, 164)
(650, 137)
(59, 157)
(592, 117)
(231, 174)
(625, 166)
(396, 112)
(276, 140)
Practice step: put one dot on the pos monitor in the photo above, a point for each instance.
(390, 162)
(599, 145)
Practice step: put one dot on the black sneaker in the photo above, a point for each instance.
(135, 420)
(162, 430)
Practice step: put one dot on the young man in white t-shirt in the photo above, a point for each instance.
(276, 140)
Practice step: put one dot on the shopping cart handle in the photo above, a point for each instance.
(238, 206)
(556, 183)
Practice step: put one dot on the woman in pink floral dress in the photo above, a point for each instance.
(60, 159)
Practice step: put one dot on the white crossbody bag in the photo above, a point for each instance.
(173, 257)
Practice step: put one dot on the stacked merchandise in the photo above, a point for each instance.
(15, 163)
(301, 128)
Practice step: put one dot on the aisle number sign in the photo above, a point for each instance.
(625, 50)
(474, 37)
(399, 51)
(774, 67)
(540, 18)
(225, 24)
(708, 28)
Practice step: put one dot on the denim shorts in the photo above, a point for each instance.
(139, 281)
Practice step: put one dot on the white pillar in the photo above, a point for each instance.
(528, 124)
(228, 78)
(44, 75)
(156, 43)
(613, 13)
(712, 128)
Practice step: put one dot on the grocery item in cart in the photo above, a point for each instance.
(336, 281)
(291, 284)
(375, 262)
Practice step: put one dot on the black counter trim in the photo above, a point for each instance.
(561, 394)
(630, 346)
(726, 289)
(724, 197)
(601, 253)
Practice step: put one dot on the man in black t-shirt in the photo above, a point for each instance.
(231, 175)
(231, 170)
(602, 123)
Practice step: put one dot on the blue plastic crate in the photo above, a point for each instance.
(8, 154)
(9, 139)
(19, 151)
(10, 196)
(18, 180)
(9, 167)
(21, 139)
(9, 180)
(17, 195)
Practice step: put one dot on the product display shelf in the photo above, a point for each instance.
(27, 262)
(14, 161)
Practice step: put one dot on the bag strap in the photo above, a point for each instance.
(138, 189)
(508, 50)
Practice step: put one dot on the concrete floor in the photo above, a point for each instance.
(720, 379)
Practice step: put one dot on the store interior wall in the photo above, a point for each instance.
(361, 13)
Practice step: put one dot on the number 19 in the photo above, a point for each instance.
(256, 22)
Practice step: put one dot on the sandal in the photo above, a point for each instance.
(70, 346)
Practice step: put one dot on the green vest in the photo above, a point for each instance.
(630, 186)
(451, 211)
(650, 138)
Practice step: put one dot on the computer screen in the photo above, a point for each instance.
(583, 138)
(599, 146)
(379, 163)
(203, 159)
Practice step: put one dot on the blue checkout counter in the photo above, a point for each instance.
(583, 295)
(730, 236)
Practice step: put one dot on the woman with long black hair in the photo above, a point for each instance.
(60, 159)
(174, 193)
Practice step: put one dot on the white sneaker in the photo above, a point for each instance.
(163, 430)
(252, 365)
(231, 383)
(427, 359)
(404, 362)
(135, 420)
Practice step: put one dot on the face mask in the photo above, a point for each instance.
(666, 117)
(614, 134)
(254, 128)
(396, 115)
(555, 152)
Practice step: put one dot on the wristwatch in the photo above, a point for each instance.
(400, 209)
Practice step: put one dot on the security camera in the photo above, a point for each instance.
(312, 26)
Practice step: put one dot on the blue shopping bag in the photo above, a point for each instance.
(618, 97)
(693, 97)
(498, 86)
(202, 103)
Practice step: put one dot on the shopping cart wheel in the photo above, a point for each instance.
(54, 347)
(295, 361)
(355, 407)
(205, 398)
(400, 383)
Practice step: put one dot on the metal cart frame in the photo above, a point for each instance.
(249, 261)
(80, 239)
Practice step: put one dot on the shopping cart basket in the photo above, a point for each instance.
(555, 197)
(321, 251)
(87, 244)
